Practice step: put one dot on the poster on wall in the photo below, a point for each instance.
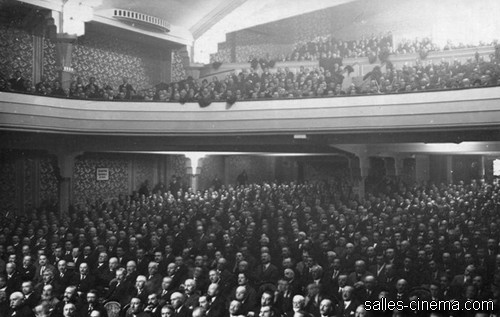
(102, 174)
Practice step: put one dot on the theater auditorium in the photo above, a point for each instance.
(249, 158)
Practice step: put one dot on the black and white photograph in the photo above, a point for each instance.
(249, 158)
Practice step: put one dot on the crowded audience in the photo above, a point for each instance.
(330, 79)
(373, 47)
(270, 249)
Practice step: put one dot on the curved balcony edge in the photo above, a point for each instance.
(457, 109)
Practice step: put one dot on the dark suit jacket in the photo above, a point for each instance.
(118, 292)
(27, 273)
(269, 275)
(63, 281)
(84, 285)
(342, 311)
(284, 304)
(22, 311)
(184, 312)
(153, 284)
(32, 300)
(38, 278)
(217, 307)
(13, 283)
(84, 311)
(143, 295)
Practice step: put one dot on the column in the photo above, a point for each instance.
(482, 167)
(422, 172)
(449, 169)
(398, 165)
(66, 164)
(360, 167)
(64, 49)
(193, 168)
(364, 168)
(390, 166)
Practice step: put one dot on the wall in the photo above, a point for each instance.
(466, 167)
(323, 168)
(28, 179)
(109, 59)
(16, 52)
(178, 72)
(287, 169)
(438, 169)
(212, 166)
(258, 168)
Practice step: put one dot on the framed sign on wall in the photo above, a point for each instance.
(102, 174)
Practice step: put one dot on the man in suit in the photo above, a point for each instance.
(326, 308)
(13, 280)
(42, 266)
(118, 289)
(70, 296)
(63, 277)
(283, 297)
(177, 300)
(266, 271)
(17, 82)
(166, 292)
(348, 305)
(136, 308)
(139, 290)
(30, 297)
(27, 269)
(91, 305)
(18, 306)
(190, 293)
(48, 279)
(76, 257)
(84, 281)
(217, 303)
(246, 304)
(153, 307)
(154, 279)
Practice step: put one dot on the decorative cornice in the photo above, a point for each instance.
(138, 19)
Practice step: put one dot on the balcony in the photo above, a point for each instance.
(424, 111)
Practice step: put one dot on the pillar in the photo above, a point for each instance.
(422, 168)
(398, 165)
(449, 169)
(66, 164)
(64, 49)
(67, 24)
(364, 168)
(482, 167)
(193, 168)
(360, 167)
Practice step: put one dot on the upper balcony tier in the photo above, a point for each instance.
(474, 108)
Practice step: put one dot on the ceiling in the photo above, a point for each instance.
(198, 16)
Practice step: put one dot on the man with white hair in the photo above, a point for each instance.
(177, 300)
(153, 283)
(18, 307)
(191, 295)
(140, 289)
(298, 303)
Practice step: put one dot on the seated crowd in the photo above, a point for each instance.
(325, 81)
(373, 47)
(256, 250)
